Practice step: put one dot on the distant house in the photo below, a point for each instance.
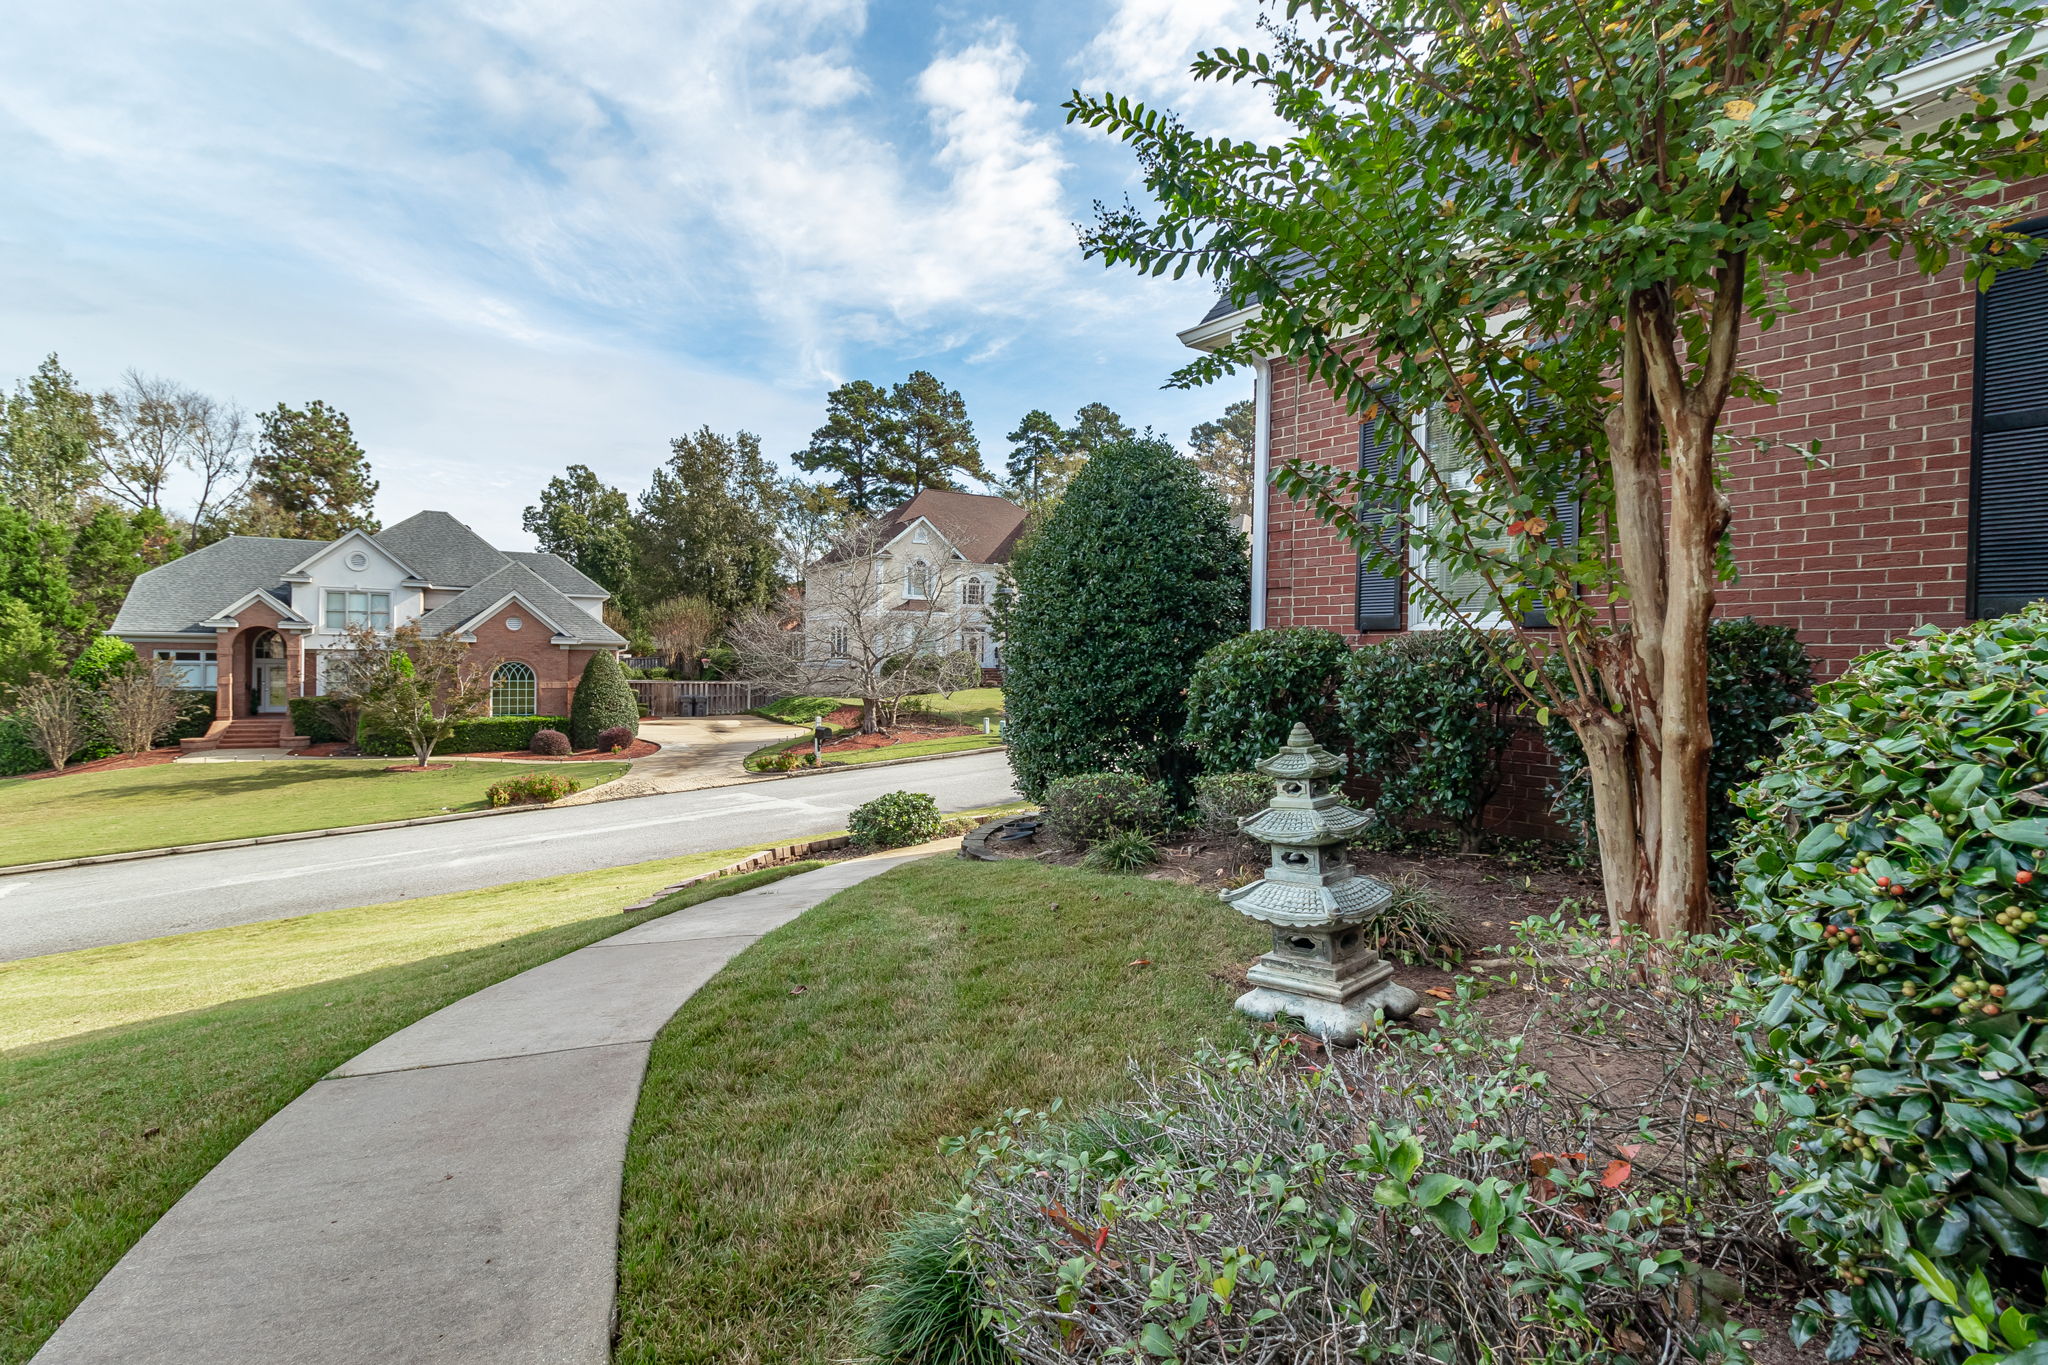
(250, 618)
(939, 556)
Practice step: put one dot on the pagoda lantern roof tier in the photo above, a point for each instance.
(1302, 904)
(1301, 760)
(1307, 826)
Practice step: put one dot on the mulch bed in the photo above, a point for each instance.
(107, 765)
(909, 729)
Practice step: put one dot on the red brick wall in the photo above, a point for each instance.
(1876, 361)
(555, 671)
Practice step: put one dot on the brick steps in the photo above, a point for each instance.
(257, 732)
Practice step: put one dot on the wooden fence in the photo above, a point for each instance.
(672, 698)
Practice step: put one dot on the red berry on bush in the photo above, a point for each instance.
(2023, 877)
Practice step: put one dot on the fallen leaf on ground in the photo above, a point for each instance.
(1139, 962)
(1440, 993)
(798, 990)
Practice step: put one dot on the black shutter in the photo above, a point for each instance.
(1379, 593)
(1564, 521)
(2009, 470)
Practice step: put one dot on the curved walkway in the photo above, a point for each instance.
(451, 1194)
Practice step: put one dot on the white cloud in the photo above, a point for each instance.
(1144, 51)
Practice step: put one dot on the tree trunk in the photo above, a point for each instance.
(1683, 905)
(868, 707)
(1613, 769)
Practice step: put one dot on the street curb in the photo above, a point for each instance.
(137, 855)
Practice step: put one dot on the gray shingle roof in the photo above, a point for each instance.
(442, 550)
(535, 591)
(173, 598)
(560, 572)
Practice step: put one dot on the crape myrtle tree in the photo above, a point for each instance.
(1521, 244)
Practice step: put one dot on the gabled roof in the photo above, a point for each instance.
(300, 571)
(173, 598)
(286, 617)
(441, 550)
(560, 572)
(982, 528)
(573, 624)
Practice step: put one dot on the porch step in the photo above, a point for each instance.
(253, 732)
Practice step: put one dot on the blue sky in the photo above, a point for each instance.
(510, 237)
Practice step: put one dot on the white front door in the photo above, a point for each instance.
(269, 685)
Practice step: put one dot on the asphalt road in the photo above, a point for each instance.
(86, 907)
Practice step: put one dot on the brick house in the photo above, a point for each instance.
(1930, 401)
(249, 617)
(939, 556)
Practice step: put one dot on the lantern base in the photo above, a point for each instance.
(1338, 1011)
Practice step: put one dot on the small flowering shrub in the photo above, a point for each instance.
(1897, 987)
(530, 788)
(895, 819)
(552, 743)
(616, 738)
(1088, 807)
(1222, 800)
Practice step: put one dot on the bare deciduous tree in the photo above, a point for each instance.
(875, 624)
(139, 705)
(155, 427)
(54, 712)
(682, 628)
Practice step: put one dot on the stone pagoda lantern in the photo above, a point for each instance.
(1321, 969)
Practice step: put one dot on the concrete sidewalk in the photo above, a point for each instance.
(451, 1195)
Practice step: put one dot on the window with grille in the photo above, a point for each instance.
(192, 668)
(839, 642)
(372, 609)
(973, 592)
(513, 691)
(917, 580)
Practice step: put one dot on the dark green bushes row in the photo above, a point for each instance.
(320, 720)
(1429, 717)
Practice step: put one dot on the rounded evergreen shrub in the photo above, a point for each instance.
(1898, 984)
(1430, 716)
(895, 819)
(1133, 578)
(552, 743)
(602, 701)
(1089, 807)
(1247, 693)
(1223, 800)
(617, 737)
(1756, 673)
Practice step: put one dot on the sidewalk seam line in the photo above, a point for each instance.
(500, 1057)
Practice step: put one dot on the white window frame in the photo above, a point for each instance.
(973, 593)
(348, 613)
(917, 581)
(836, 640)
(1423, 611)
(531, 681)
(184, 661)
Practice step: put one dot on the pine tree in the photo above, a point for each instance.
(706, 526)
(858, 447)
(1036, 448)
(51, 439)
(931, 435)
(309, 478)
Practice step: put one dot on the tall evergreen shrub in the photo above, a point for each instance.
(602, 701)
(1247, 693)
(1136, 575)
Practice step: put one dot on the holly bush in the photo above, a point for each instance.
(895, 819)
(1247, 693)
(1133, 578)
(1897, 978)
(1755, 674)
(602, 702)
(1430, 716)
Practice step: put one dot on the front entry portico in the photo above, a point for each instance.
(269, 674)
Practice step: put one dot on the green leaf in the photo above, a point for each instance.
(1155, 1341)
(1954, 794)
(1433, 1188)
(2031, 832)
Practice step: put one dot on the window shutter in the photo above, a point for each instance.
(1379, 593)
(1564, 521)
(2009, 479)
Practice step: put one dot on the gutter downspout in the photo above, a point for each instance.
(1262, 462)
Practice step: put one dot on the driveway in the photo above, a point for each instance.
(704, 751)
(84, 907)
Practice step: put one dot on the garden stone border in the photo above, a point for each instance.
(975, 845)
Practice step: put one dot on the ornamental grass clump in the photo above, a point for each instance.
(1414, 926)
(1126, 850)
(1438, 1197)
(1897, 983)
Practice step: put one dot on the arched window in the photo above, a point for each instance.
(973, 592)
(512, 691)
(917, 579)
(268, 645)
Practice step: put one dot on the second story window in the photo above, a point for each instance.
(839, 642)
(344, 609)
(973, 592)
(917, 579)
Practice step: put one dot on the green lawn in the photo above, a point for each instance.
(757, 760)
(159, 1057)
(780, 1134)
(969, 706)
(189, 803)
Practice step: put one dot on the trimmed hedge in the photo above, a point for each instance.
(484, 735)
(316, 719)
(1246, 694)
(602, 702)
(1756, 674)
(1894, 870)
(1134, 577)
(1430, 716)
